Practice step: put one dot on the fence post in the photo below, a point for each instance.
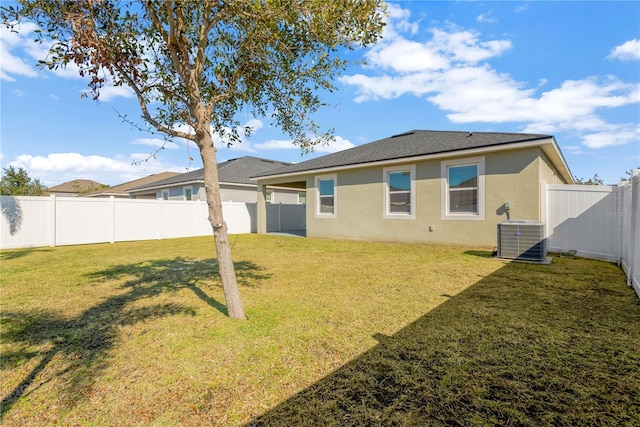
(52, 220)
(544, 195)
(160, 220)
(634, 218)
(112, 220)
(620, 220)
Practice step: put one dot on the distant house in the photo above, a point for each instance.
(423, 186)
(77, 187)
(235, 184)
(121, 190)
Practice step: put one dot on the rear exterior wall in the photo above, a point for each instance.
(510, 176)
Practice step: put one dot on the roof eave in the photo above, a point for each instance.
(185, 184)
(553, 153)
(162, 186)
(552, 150)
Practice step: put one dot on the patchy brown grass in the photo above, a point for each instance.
(339, 333)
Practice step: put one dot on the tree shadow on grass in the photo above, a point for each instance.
(86, 340)
(19, 253)
(523, 346)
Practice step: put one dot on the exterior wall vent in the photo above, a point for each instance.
(522, 240)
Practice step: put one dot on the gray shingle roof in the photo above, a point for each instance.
(406, 145)
(121, 189)
(234, 171)
(76, 186)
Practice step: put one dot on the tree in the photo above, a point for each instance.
(596, 180)
(16, 182)
(628, 174)
(197, 63)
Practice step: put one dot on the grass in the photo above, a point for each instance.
(339, 333)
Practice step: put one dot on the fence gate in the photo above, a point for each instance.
(583, 218)
(601, 222)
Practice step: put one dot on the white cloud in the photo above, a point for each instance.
(452, 72)
(276, 144)
(254, 124)
(398, 21)
(56, 168)
(617, 135)
(576, 150)
(465, 46)
(487, 17)
(19, 53)
(109, 92)
(11, 64)
(338, 144)
(406, 56)
(628, 51)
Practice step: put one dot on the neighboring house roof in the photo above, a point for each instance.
(77, 186)
(121, 189)
(424, 143)
(234, 171)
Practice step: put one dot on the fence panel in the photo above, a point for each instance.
(52, 221)
(184, 219)
(26, 222)
(83, 221)
(583, 218)
(137, 220)
(241, 218)
(601, 222)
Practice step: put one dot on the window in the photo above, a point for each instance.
(165, 195)
(302, 198)
(399, 192)
(326, 202)
(187, 193)
(269, 196)
(463, 189)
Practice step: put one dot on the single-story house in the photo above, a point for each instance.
(76, 187)
(120, 190)
(424, 186)
(235, 184)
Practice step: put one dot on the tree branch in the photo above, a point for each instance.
(145, 110)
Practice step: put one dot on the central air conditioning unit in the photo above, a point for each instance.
(522, 240)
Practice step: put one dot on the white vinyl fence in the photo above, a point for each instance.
(55, 221)
(601, 222)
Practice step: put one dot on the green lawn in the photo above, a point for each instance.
(339, 333)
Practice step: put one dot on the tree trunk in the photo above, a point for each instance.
(220, 236)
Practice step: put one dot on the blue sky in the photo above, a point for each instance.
(569, 69)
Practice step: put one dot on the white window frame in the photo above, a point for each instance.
(163, 192)
(444, 190)
(184, 193)
(386, 213)
(319, 178)
(268, 198)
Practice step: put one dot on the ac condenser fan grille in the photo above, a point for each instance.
(522, 240)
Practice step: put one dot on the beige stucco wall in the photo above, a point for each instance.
(548, 172)
(509, 177)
